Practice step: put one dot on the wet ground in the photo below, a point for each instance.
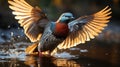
(104, 51)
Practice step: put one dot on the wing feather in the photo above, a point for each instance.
(18, 9)
(22, 4)
(89, 32)
(20, 13)
(29, 17)
(92, 26)
(87, 35)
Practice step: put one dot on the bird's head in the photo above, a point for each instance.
(66, 17)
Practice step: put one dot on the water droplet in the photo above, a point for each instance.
(18, 36)
(74, 48)
(18, 28)
(89, 64)
(11, 33)
(9, 26)
(84, 50)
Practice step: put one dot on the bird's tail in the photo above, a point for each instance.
(32, 49)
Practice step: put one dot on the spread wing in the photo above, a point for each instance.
(86, 28)
(32, 19)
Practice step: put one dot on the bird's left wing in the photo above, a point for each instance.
(86, 28)
(32, 19)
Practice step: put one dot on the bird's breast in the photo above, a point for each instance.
(61, 30)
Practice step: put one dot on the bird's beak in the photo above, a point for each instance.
(72, 18)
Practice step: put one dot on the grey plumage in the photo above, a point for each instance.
(48, 41)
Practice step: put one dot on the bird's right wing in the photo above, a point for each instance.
(32, 19)
(86, 27)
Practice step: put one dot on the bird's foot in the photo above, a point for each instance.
(40, 54)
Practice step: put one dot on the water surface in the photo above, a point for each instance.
(87, 55)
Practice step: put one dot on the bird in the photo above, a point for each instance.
(64, 33)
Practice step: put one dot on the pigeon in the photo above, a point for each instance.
(66, 32)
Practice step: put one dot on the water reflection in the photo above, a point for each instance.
(31, 61)
(47, 61)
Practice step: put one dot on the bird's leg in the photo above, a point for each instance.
(39, 50)
(49, 53)
(40, 53)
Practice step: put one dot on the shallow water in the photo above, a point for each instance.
(87, 55)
